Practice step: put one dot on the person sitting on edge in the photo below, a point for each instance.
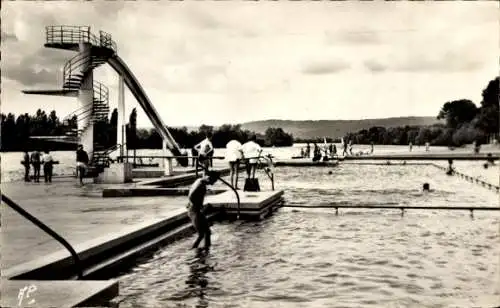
(35, 161)
(450, 170)
(234, 155)
(47, 166)
(204, 148)
(82, 159)
(251, 152)
(195, 207)
(26, 164)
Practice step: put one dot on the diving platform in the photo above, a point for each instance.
(253, 205)
(57, 92)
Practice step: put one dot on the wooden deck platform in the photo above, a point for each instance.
(82, 293)
(253, 205)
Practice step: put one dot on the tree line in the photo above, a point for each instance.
(465, 123)
(16, 133)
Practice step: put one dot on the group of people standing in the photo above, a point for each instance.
(236, 153)
(329, 150)
(37, 160)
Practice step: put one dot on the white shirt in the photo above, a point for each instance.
(47, 158)
(251, 150)
(204, 147)
(233, 150)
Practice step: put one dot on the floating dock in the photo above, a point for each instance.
(426, 156)
(305, 162)
(253, 205)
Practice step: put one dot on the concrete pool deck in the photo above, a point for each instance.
(90, 223)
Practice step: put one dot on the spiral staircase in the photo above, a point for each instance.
(74, 73)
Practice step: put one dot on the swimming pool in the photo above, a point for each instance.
(314, 258)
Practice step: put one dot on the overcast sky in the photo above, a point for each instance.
(231, 62)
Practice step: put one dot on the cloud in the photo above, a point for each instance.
(43, 67)
(325, 67)
(353, 37)
(447, 62)
(9, 37)
(375, 66)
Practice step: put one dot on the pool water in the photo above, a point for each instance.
(359, 258)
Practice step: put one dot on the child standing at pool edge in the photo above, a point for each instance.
(195, 209)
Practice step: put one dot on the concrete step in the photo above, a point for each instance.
(102, 255)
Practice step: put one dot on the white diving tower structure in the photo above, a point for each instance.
(92, 96)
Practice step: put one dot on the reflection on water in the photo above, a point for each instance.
(360, 258)
(197, 283)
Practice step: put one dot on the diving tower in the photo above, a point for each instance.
(92, 96)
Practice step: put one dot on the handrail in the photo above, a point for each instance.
(226, 183)
(77, 112)
(74, 64)
(78, 34)
(47, 229)
(101, 92)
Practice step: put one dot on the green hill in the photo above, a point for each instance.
(334, 128)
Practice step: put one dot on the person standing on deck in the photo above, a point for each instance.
(26, 164)
(47, 166)
(204, 149)
(371, 147)
(308, 150)
(35, 161)
(234, 154)
(344, 153)
(194, 154)
(251, 152)
(195, 207)
(82, 159)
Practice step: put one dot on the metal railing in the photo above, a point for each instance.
(225, 183)
(48, 230)
(78, 34)
(101, 158)
(73, 68)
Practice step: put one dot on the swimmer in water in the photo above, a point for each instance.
(426, 187)
(450, 170)
(195, 207)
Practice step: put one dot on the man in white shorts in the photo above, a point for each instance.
(204, 149)
(251, 152)
(233, 155)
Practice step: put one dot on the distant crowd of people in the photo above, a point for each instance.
(328, 151)
(37, 160)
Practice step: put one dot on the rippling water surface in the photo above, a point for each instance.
(360, 258)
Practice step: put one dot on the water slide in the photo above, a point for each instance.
(140, 95)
